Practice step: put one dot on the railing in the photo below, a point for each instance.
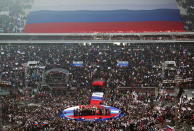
(91, 41)
(9, 38)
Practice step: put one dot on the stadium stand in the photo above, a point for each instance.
(187, 10)
(147, 77)
(13, 14)
(149, 90)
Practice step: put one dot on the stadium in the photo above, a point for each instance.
(96, 66)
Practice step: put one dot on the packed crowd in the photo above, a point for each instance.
(145, 63)
(142, 111)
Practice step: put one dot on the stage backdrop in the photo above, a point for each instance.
(103, 16)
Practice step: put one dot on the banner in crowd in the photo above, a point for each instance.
(32, 63)
(107, 16)
(122, 63)
(97, 98)
(169, 128)
(100, 83)
(78, 63)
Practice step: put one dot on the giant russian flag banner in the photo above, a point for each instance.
(103, 16)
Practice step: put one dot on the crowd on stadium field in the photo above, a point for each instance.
(143, 111)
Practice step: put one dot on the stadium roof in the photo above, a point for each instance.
(92, 34)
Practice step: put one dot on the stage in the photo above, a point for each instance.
(115, 113)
